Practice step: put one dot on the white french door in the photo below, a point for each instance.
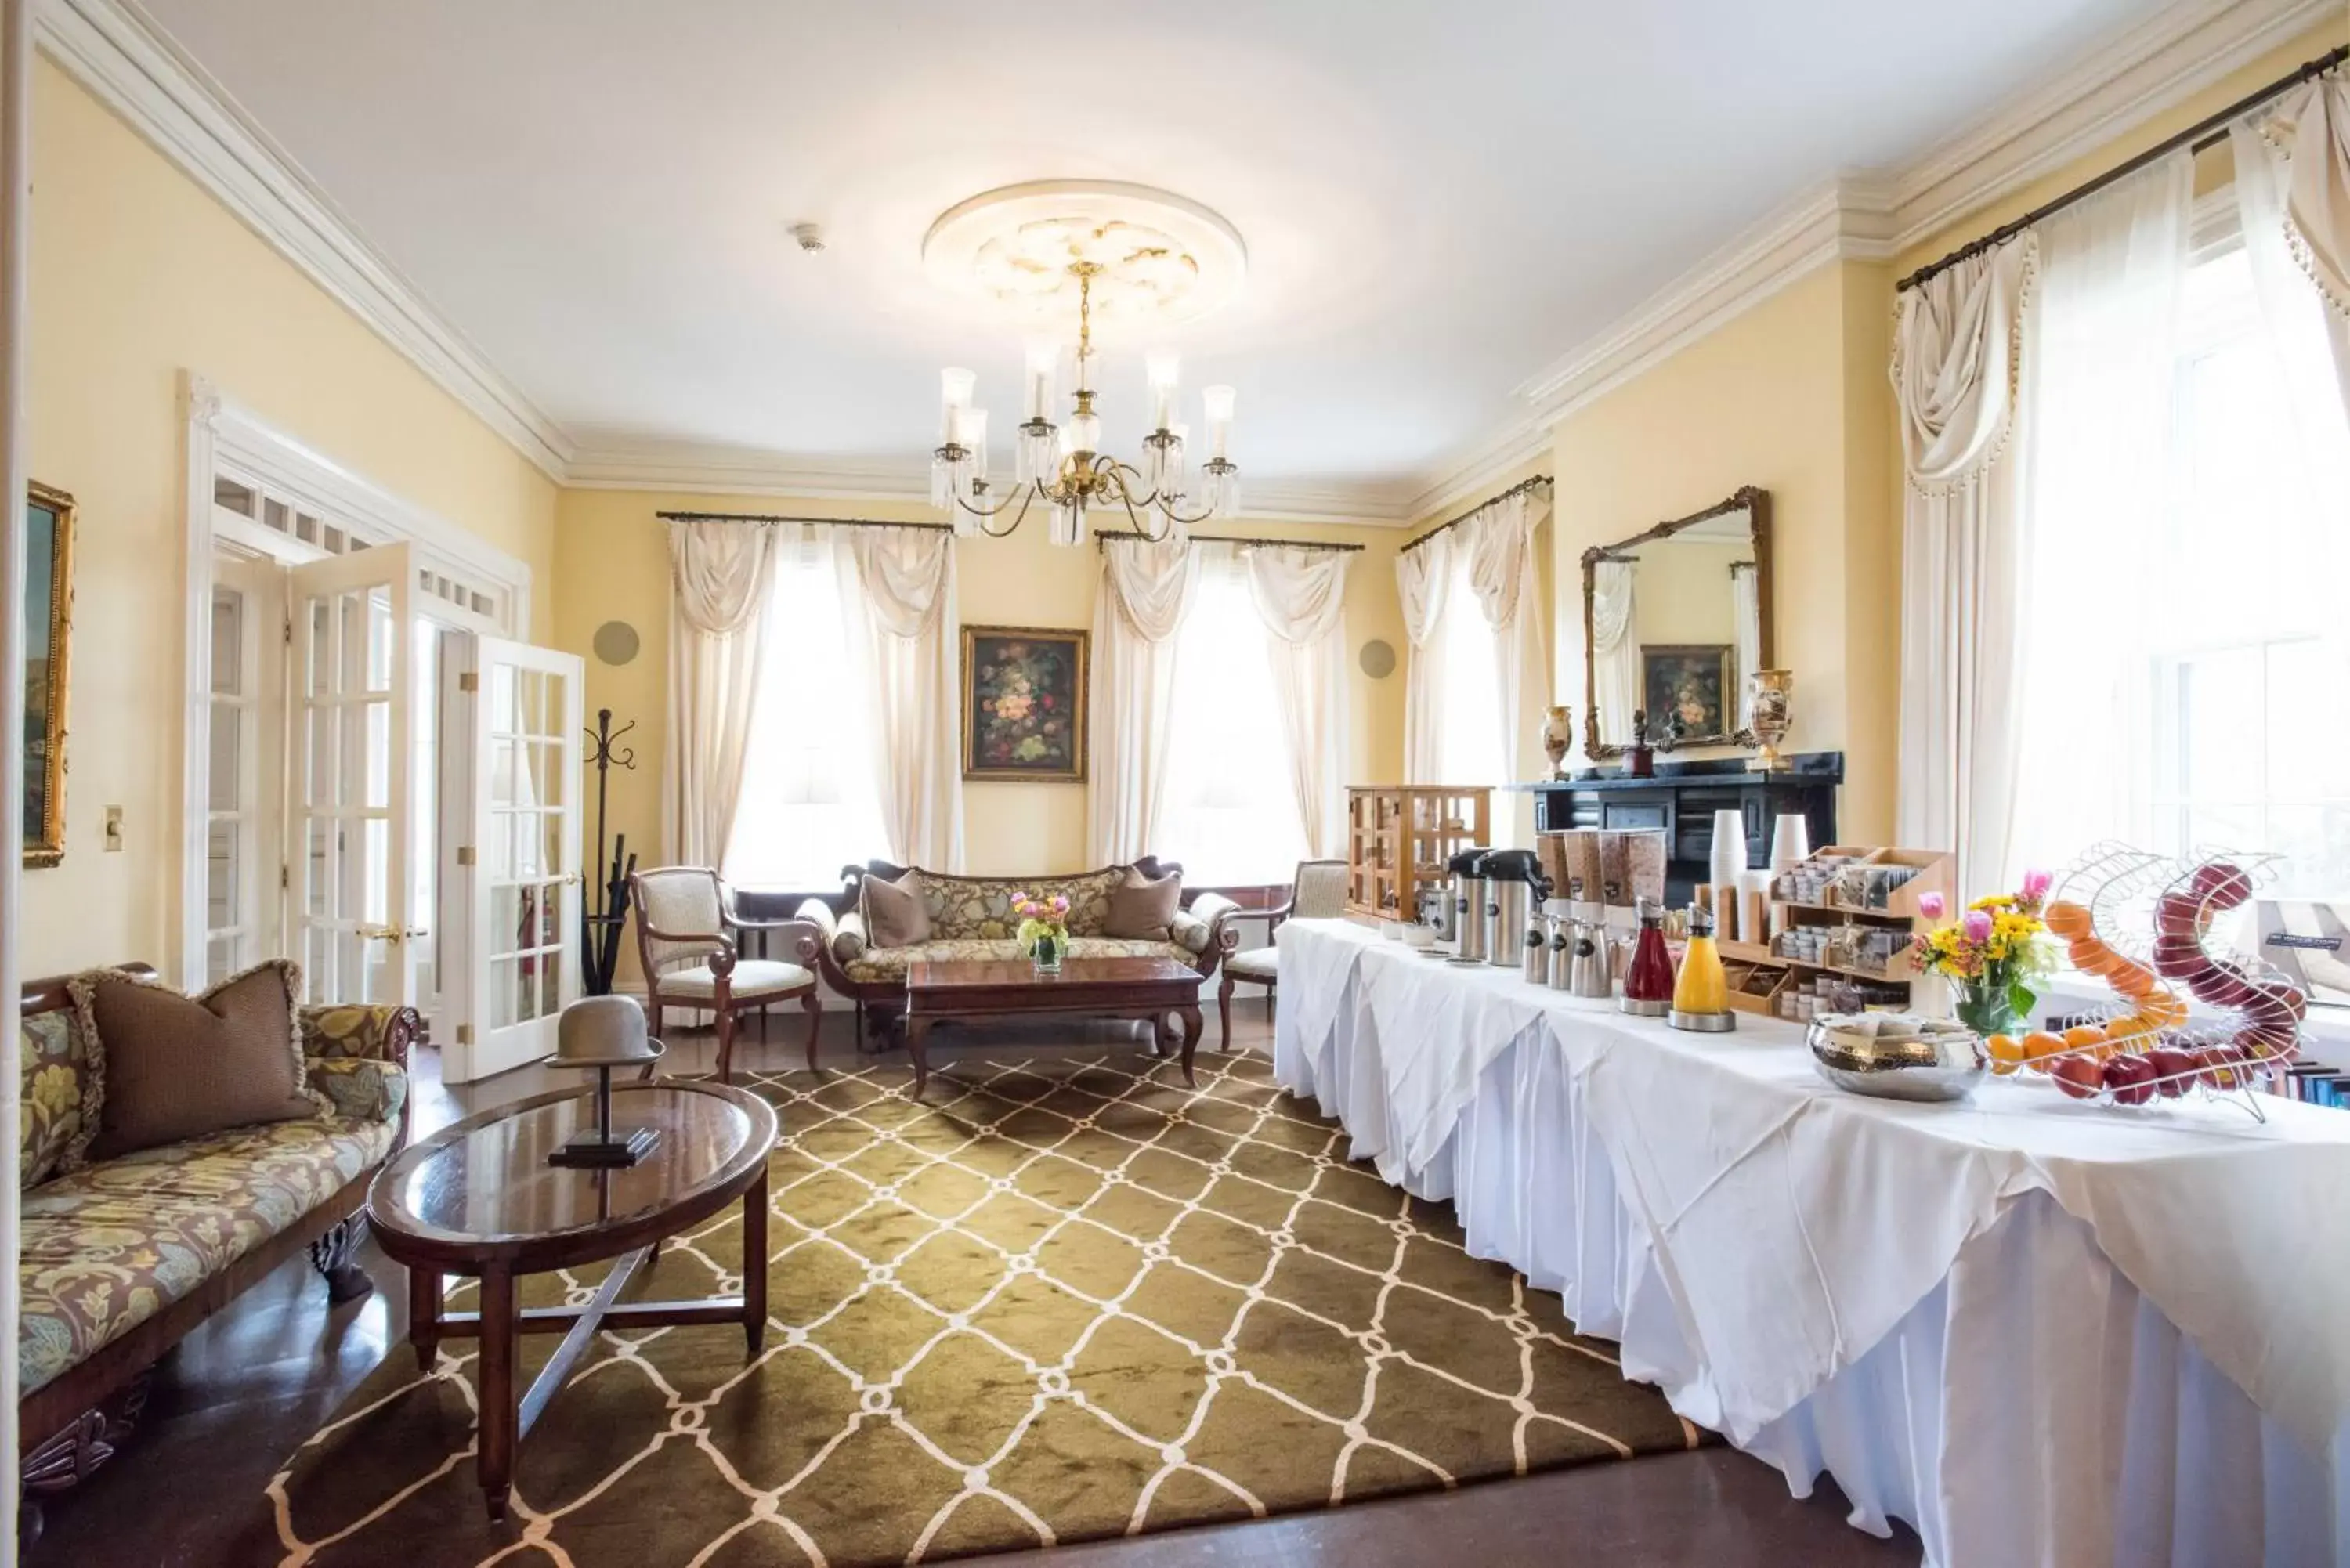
(349, 877)
(525, 883)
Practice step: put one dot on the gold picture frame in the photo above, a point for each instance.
(1042, 671)
(48, 648)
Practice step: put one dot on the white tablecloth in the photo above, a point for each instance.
(2040, 1331)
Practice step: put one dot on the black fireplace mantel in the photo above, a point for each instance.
(1682, 799)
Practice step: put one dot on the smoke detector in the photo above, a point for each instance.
(810, 237)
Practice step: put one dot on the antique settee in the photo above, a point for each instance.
(970, 918)
(124, 1257)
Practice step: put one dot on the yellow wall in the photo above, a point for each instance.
(138, 273)
(1762, 400)
(613, 565)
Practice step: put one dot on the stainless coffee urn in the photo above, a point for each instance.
(1436, 913)
(1588, 959)
(1469, 928)
(1514, 883)
(1559, 963)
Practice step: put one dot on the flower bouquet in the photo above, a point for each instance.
(1043, 933)
(1992, 954)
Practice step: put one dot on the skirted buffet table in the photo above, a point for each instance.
(2040, 1331)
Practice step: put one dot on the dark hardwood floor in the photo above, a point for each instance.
(244, 1390)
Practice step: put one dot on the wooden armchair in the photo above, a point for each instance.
(1318, 892)
(687, 928)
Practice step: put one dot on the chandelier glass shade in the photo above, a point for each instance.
(1130, 269)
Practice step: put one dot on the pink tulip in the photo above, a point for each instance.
(2035, 885)
(1933, 906)
(1977, 926)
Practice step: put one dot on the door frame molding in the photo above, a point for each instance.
(223, 435)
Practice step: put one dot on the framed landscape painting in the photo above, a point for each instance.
(48, 610)
(1024, 703)
(1686, 688)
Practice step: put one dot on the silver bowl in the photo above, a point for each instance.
(1933, 1063)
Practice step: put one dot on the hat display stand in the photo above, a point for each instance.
(602, 1032)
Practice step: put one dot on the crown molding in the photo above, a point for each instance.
(2153, 67)
(1518, 444)
(686, 469)
(124, 60)
(1849, 217)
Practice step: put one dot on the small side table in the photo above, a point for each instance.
(478, 1198)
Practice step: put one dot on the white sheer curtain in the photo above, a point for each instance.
(1229, 810)
(1301, 598)
(1614, 649)
(1746, 635)
(2103, 372)
(719, 573)
(811, 800)
(1498, 540)
(1145, 590)
(2309, 128)
(1958, 374)
(1424, 582)
(898, 594)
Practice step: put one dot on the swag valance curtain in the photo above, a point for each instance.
(898, 594)
(1146, 591)
(1484, 566)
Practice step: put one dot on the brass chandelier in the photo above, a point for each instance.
(1063, 467)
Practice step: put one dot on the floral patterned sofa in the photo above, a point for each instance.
(123, 1257)
(970, 918)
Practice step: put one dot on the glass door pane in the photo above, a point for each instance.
(349, 828)
(526, 833)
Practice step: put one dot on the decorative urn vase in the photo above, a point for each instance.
(1769, 693)
(1557, 739)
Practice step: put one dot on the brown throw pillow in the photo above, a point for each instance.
(1141, 909)
(895, 915)
(171, 1067)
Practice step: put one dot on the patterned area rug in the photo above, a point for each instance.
(1065, 1298)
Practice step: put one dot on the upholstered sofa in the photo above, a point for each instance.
(970, 918)
(123, 1257)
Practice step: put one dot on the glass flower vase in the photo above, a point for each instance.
(1986, 1008)
(1047, 954)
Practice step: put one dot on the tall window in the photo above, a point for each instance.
(809, 803)
(1230, 813)
(1471, 749)
(2189, 674)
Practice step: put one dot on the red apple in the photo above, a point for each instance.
(2079, 1077)
(2223, 1066)
(2174, 1070)
(2179, 958)
(2222, 884)
(2222, 985)
(2131, 1078)
(2179, 915)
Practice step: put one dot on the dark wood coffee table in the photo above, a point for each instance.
(966, 990)
(479, 1199)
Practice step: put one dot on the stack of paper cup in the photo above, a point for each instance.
(1728, 861)
(1754, 907)
(1790, 841)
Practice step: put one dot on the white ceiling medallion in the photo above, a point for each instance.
(1052, 255)
(1162, 259)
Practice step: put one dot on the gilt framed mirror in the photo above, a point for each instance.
(1674, 618)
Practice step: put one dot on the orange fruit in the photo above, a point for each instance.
(2091, 955)
(2041, 1049)
(2068, 920)
(2162, 1010)
(2081, 1036)
(2133, 980)
(2131, 1034)
(2006, 1054)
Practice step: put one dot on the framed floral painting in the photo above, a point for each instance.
(1024, 703)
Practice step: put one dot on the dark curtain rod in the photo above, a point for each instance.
(774, 517)
(1520, 488)
(2207, 132)
(1123, 536)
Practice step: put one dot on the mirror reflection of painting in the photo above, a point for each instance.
(1684, 685)
(48, 600)
(1024, 703)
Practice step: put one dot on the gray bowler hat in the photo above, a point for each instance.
(604, 1032)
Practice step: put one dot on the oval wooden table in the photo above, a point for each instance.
(479, 1197)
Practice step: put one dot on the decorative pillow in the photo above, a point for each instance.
(56, 1072)
(894, 913)
(173, 1067)
(1141, 909)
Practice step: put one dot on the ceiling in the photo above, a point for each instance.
(1437, 200)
